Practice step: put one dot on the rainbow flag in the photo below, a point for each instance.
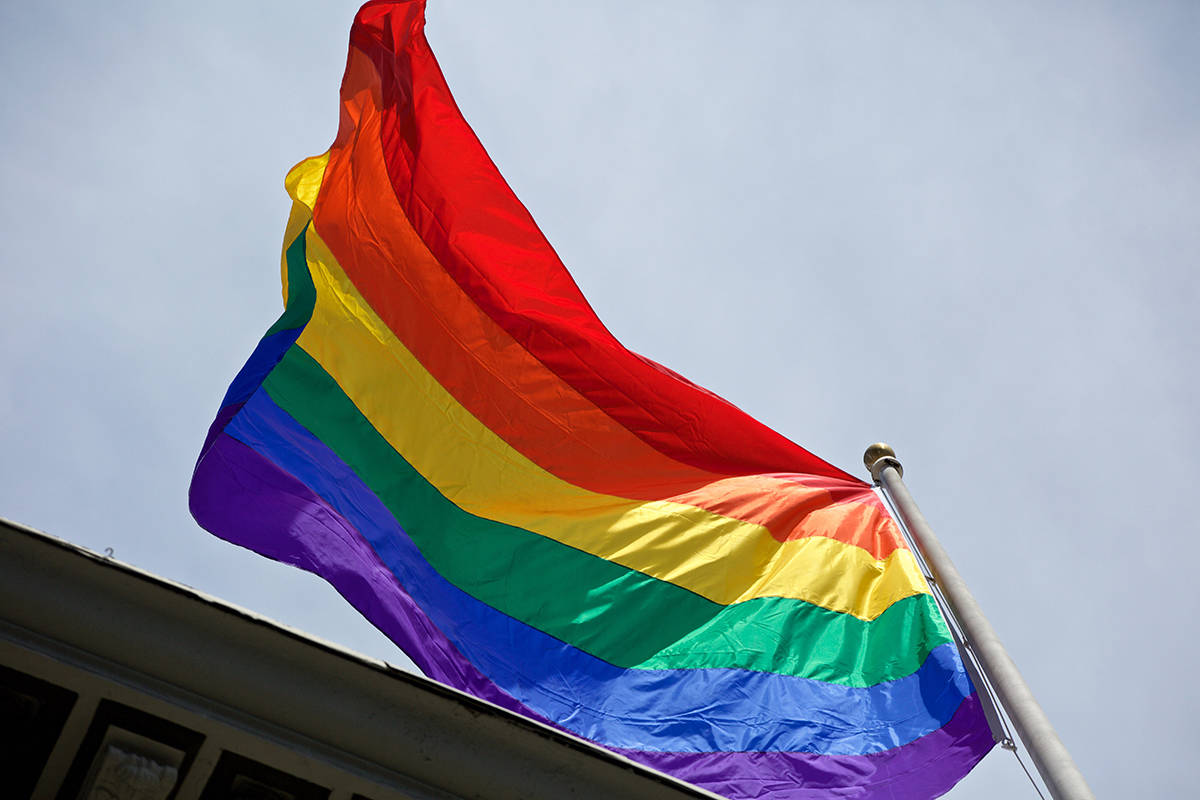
(440, 426)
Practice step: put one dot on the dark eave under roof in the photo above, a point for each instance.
(74, 611)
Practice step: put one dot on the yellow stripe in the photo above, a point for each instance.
(723, 559)
(303, 183)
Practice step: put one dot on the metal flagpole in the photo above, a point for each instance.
(1053, 762)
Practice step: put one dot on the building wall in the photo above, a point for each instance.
(112, 677)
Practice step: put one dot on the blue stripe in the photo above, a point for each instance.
(700, 710)
(285, 331)
(264, 358)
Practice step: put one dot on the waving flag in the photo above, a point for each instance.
(440, 426)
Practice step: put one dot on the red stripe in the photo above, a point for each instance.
(486, 240)
(513, 393)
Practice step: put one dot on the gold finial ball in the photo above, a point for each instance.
(878, 456)
(877, 451)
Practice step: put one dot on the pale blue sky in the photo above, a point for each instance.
(969, 229)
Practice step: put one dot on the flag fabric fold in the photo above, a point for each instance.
(441, 427)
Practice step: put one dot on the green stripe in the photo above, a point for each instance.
(302, 295)
(614, 613)
(793, 637)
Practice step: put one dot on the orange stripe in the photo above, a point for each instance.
(513, 393)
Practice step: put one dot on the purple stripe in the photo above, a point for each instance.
(925, 768)
(244, 498)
